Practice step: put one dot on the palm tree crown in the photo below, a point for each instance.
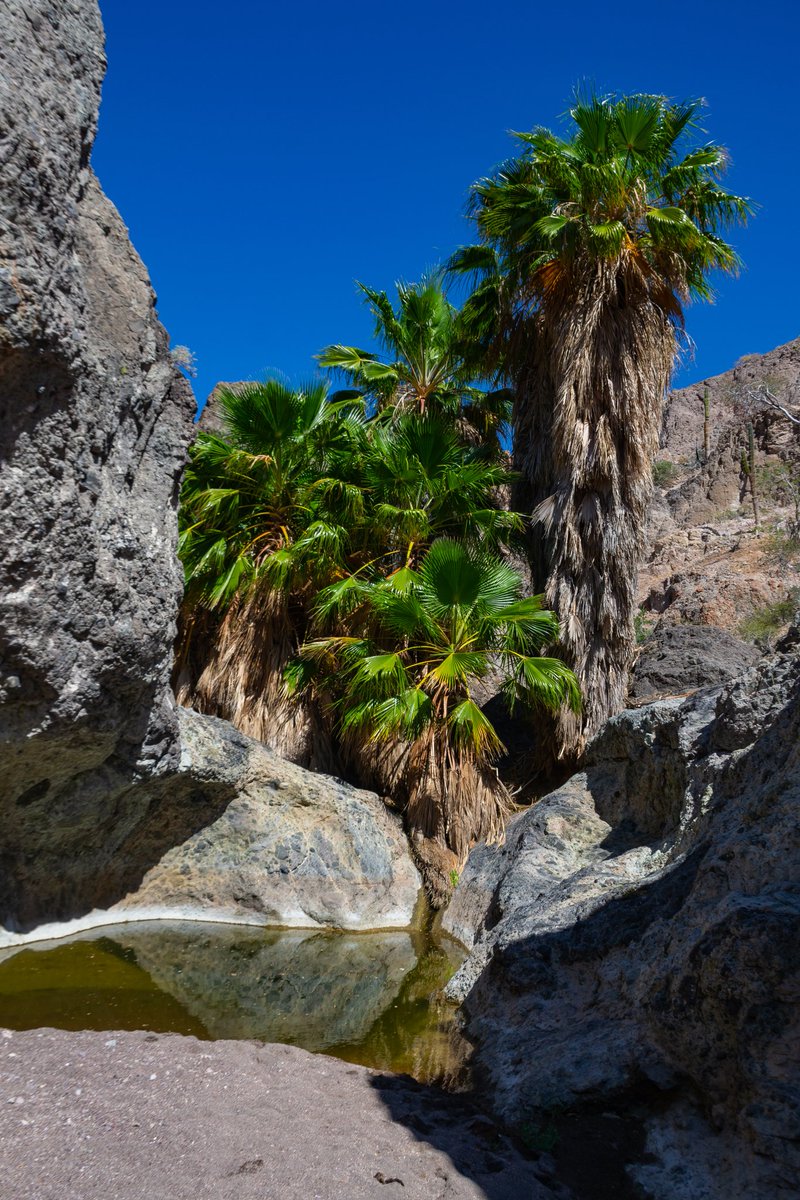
(429, 364)
(303, 493)
(624, 189)
(426, 637)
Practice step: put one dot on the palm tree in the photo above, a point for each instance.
(426, 637)
(301, 493)
(269, 514)
(591, 245)
(424, 482)
(430, 362)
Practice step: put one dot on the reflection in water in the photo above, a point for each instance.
(368, 998)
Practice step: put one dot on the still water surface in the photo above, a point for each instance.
(367, 998)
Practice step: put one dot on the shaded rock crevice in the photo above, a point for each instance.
(659, 945)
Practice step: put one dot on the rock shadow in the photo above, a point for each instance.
(479, 1149)
(86, 839)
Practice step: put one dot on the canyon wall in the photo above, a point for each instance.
(94, 423)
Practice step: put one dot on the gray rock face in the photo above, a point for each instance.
(105, 801)
(94, 421)
(234, 833)
(290, 848)
(679, 658)
(641, 930)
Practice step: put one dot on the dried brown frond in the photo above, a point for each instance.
(232, 667)
(588, 421)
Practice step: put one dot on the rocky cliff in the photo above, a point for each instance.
(636, 942)
(93, 430)
(708, 563)
(108, 799)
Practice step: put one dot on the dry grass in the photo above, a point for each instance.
(449, 801)
(233, 668)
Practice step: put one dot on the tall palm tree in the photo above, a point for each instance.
(426, 637)
(590, 247)
(428, 367)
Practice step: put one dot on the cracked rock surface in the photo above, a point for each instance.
(637, 940)
(94, 422)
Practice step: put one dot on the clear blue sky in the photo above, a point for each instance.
(267, 155)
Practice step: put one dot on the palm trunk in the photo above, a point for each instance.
(451, 802)
(233, 668)
(611, 351)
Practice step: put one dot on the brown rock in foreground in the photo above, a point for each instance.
(121, 1116)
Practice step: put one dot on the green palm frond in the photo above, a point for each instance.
(471, 729)
(625, 180)
(543, 682)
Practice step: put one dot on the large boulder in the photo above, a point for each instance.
(94, 421)
(235, 833)
(681, 658)
(637, 942)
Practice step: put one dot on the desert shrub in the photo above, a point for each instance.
(780, 482)
(643, 626)
(665, 473)
(763, 623)
(782, 546)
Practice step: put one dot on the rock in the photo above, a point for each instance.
(93, 1115)
(546, 845)
(236, 834)
(682, 429)
(679, 658)
(291, 848)
(708, 564)
(107, 800)
(660, 957)
(94, 421)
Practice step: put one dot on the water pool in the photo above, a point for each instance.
(370, 998)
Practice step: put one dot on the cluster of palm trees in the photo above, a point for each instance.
(346, 554)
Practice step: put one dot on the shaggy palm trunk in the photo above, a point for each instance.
(233, 668)
(453, 802)
(586, 443)
(450, 801)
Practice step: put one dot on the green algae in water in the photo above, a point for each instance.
(373, 999)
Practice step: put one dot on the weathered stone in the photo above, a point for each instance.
(708, 564)
(235, 833)
(671, 961)
(94, 421)
(680, 658)
(682, 430)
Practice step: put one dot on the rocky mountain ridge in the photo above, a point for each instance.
(708, 564)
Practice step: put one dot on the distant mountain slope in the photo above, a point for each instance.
(708, 564)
